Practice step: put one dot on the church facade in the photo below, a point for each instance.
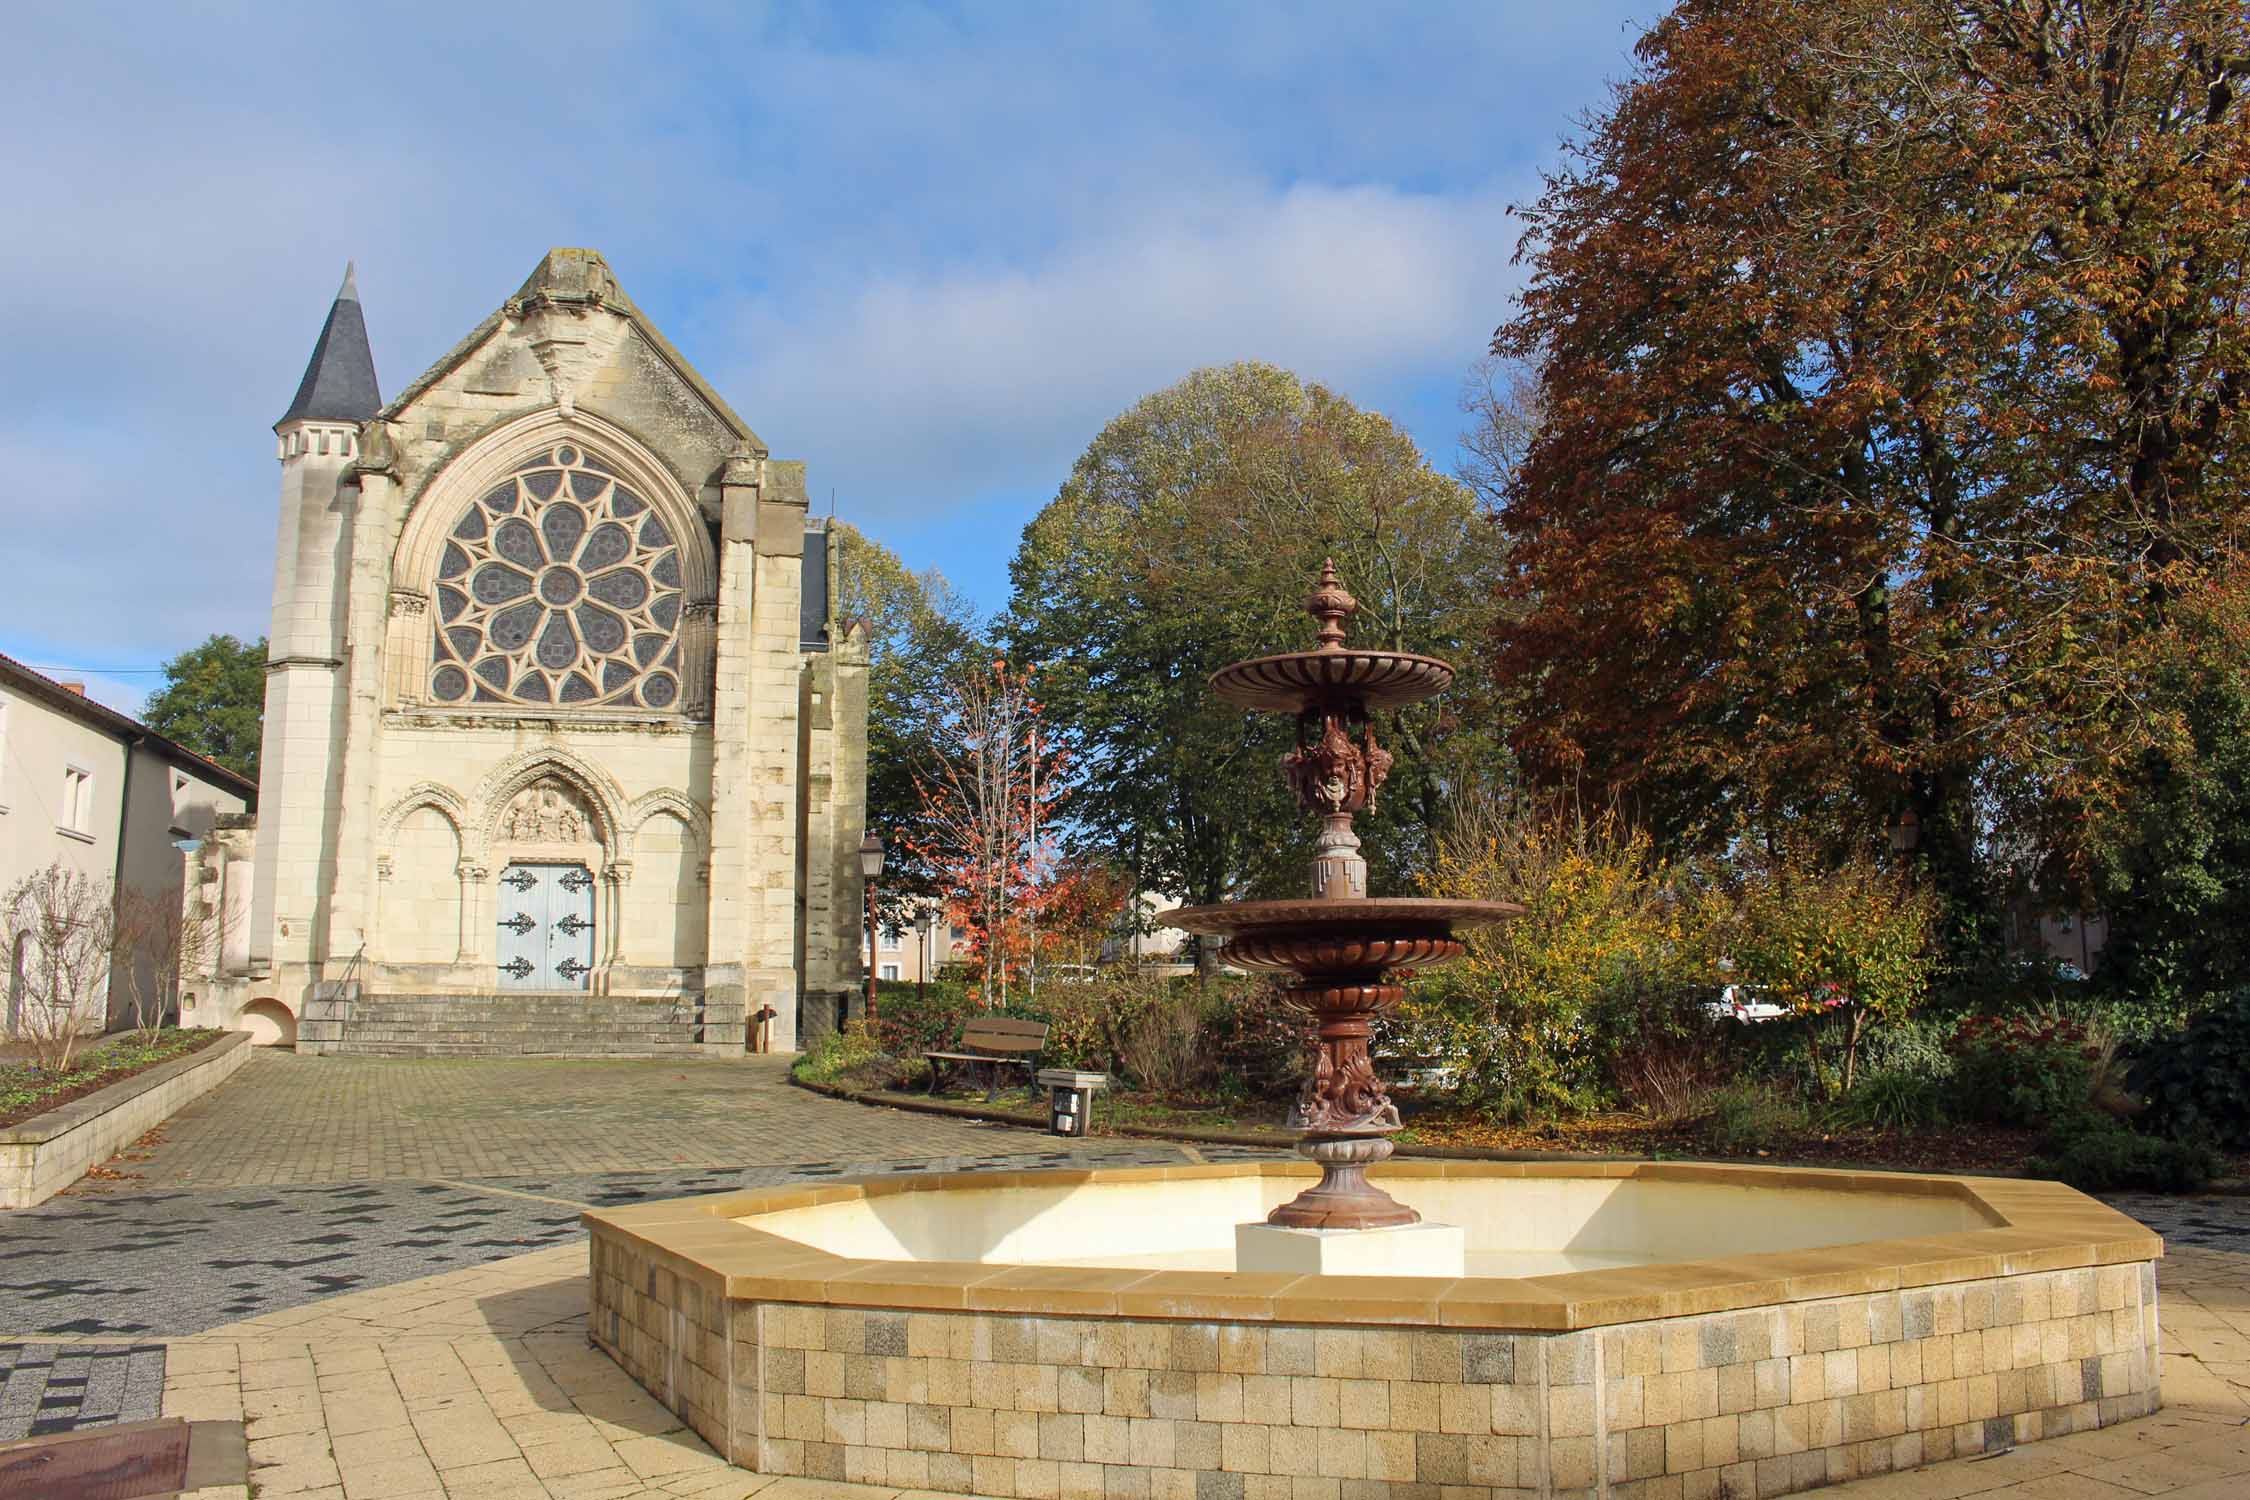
(560, 739)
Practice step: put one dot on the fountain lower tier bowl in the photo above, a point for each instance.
(1365, 933)
(1760, 1330)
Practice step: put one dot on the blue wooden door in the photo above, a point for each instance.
(546, 927)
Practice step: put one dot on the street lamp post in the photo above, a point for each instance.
(871, 866)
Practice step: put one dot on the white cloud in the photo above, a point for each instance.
(928, 250)
(919, 386)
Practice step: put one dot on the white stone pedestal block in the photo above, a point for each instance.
(1408, 1250)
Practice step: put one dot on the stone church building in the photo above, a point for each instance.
(562, 751)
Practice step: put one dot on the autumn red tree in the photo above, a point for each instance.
(989, 785)
(1079, 908)
(1889, 364)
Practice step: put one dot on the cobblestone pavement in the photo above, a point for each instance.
(291, 1119)
(303, 1178)
(2211, 1222)
(174, 1263)
(47, 1388)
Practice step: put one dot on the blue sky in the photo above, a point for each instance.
(929, 249)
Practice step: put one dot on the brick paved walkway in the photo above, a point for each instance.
(291, 1119)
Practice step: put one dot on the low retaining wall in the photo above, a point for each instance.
(49, 1152)
(1754, 1377)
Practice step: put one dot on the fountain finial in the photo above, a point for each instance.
(1331, 604)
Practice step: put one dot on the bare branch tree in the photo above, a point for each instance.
(59, 928)
(988, 789)
(163, 935)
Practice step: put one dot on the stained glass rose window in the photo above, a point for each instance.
(560, 585)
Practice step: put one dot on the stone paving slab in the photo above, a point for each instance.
(2210, 1221)
(480, 1383)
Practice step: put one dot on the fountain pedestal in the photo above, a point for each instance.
(1420, 1249)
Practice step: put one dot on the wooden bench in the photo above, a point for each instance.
(995, 1042)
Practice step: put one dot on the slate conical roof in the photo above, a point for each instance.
(339, 383)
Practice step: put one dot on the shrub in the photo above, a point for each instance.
(916, 1018)
(2197, 1081)
(1258, 1042)
(1080, 1021)
(1162, 1048)
(1918, 1046)
(1606, 919)
(845, 1056)
(1845, 946)
(2041, 1069)
(1667, 1054)
(2101, 1156)
(1748, 1117)
(1894, 1099)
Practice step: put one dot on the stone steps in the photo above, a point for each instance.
(530, 1024)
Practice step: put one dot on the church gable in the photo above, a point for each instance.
(570, 340)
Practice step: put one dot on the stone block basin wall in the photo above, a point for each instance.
(1754, 1375)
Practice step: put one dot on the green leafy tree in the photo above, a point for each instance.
(2172, 859)
(214, 701)
(922, 636)
(1187, 536)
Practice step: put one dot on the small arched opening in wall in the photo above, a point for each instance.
(269, 1023)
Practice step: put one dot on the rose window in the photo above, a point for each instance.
(560, 585)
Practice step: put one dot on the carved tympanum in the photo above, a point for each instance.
(546, 812)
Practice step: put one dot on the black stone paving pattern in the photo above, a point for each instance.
(50, 1388)
(181, 1261)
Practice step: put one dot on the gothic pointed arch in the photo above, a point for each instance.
(659, 803)
(548, 787)
(564, 569)
(431, 794)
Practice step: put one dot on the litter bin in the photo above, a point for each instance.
(1070, 1099)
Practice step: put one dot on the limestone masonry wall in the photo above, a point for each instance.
(1744, 1404)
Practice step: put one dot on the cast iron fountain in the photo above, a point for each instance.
(1344, 947)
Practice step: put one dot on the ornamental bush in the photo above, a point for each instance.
(2032, 1070)
(1532, 1014)
(1845, 946)
(2197, 1081)
(2101, 1156)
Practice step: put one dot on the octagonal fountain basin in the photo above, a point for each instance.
(1625, 1329)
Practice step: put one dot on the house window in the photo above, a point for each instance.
(890, 971)
(891, 937)
(78, 800)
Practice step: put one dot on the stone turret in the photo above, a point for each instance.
(317, 441)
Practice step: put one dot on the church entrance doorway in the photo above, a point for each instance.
(546, 927)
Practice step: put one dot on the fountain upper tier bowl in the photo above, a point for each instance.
(1289, 682)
